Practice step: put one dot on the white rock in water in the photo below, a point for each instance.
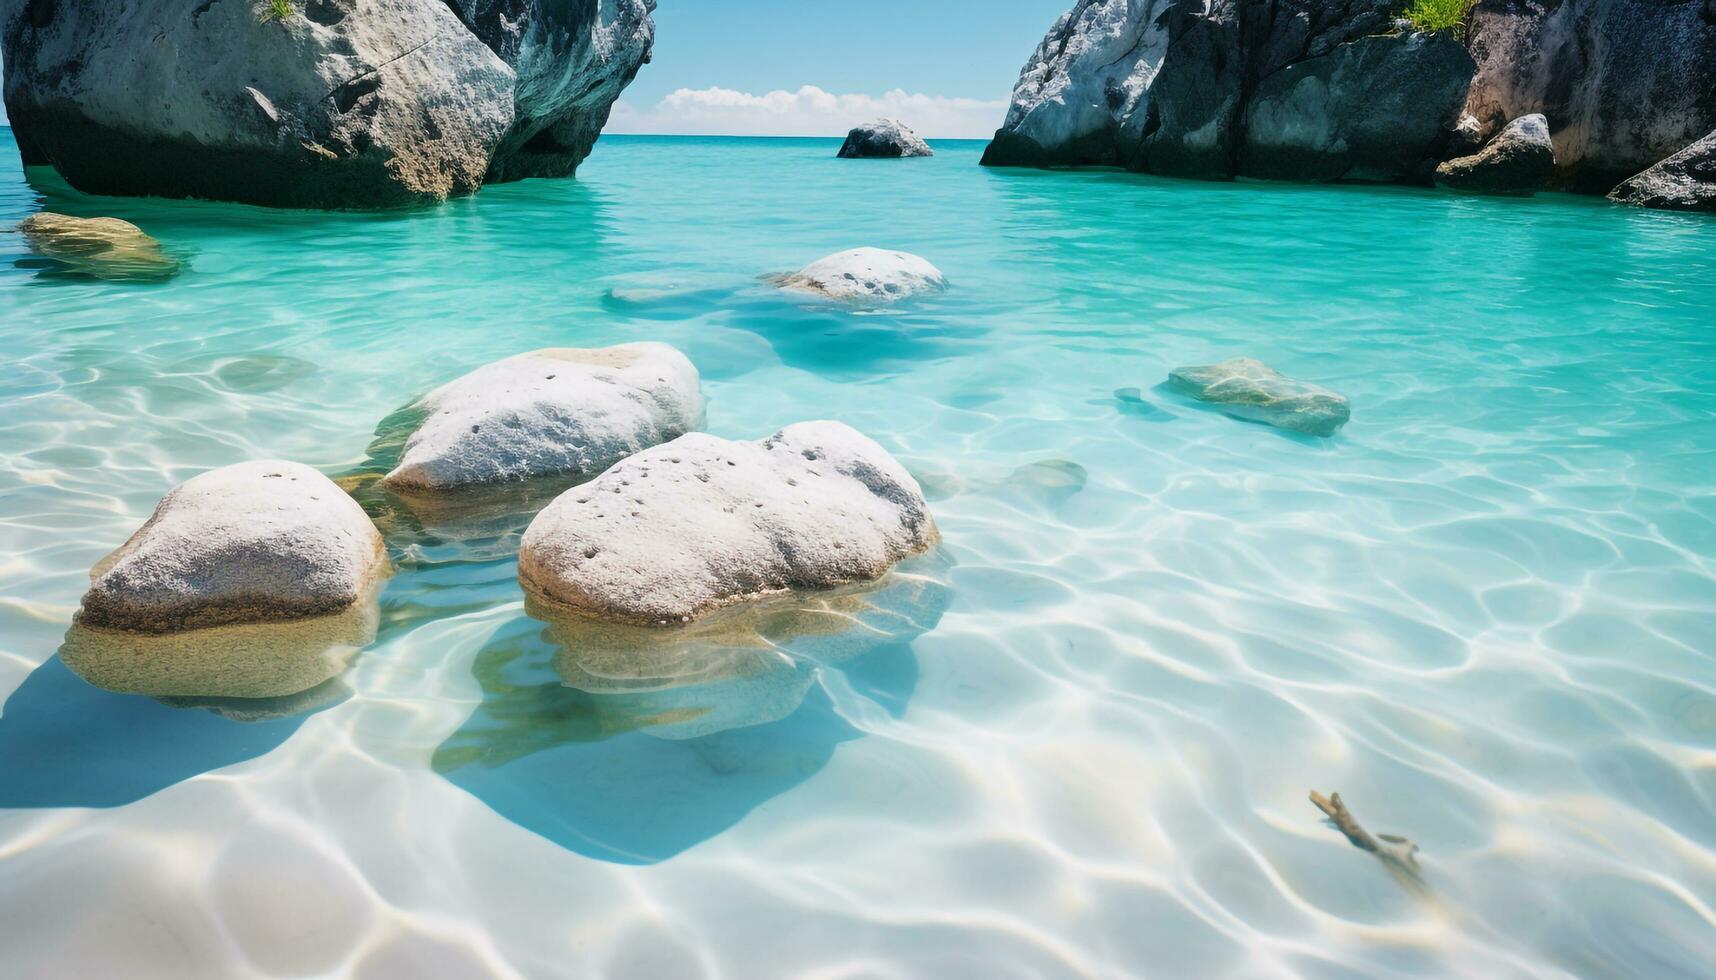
(867, 275)
(560, 411)
(702, 522)
(248, 543)
(1249, 389)
(883, 138)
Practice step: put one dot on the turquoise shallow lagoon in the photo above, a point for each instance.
(1077, 740)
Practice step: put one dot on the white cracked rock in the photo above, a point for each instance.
(1250, 389)
(701, 522)
(883, 138)
(866, 275)
(559, 411)
(255, 542)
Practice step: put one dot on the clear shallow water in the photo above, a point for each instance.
(1080, 746)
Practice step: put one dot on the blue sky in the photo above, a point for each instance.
(814, 67)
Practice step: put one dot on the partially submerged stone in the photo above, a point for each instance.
(883, 138)
(866, 275)
(256, 542)
(105, 248)
(559, 411)
(1685, 181)
(1520, 160)
(701, 523)
(1249, 389)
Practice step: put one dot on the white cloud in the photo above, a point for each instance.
(810, 111)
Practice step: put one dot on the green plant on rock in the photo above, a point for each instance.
(1438, 15)
(275, 10)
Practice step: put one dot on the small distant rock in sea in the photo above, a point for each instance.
(1683, 182)
(257, 542)
(700, 523)
(560, 411)
(1249, 389)
(1519, 160)
(883, 138)
(103, 248)
(866, 275)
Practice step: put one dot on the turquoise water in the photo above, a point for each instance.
(1079, 743)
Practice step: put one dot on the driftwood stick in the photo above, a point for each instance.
(1396, 852)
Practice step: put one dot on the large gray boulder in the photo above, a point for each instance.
(1683, 182)
(1249, 389)
(1623, 83)
(1520, 160)
(699, 523)
(556, 412)
(249, 543)
(1225, 88)
(883, 138)
(339, 104)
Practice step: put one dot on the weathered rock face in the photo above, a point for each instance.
(104, 248)
(248, 543)
(1624, 83)
(561, 411)
(883, 138)
(1683, 182)
(1249, 389)
(866, 276)
(1521, 159)
(1273, 88)
(343, 103)
(699, 523)
(572, 59)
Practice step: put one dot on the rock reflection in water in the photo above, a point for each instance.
(631, 744)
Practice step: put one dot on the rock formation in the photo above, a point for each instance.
(1683, 182)
(700, 523)
(103, 248)
(341, 103)
(249, 543)
(560, 411)
(1274, 88)
(1249, 389)
(883, 138)
(866, 276)
(1520, 159)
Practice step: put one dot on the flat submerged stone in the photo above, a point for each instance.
(1249, 389)
(103, 248)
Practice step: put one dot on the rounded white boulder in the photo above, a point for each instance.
(867, 275)
(560, 411)
(253, 542)
(701, 522)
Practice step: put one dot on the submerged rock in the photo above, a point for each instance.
(1225, 88)
(1249, 389)
(1624, 83)
(1521, 159)
(700, 523)
(249, 543)
(559, 411)
(1683, 182)
(105, 248)
(338, 104)
(866, 275)
(883, 138)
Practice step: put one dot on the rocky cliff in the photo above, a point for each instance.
(1339, 90)
(336, 104)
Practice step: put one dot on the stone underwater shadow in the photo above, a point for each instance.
(114, 717)
(632, 744)
(821, 336)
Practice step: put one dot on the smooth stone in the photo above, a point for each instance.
(559, 411)
(866, 275)
(1683, 182)
(1249, 389)
(105, 248)
(700, 523)
(1520, 160)
(883, 138)
(254, 542)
